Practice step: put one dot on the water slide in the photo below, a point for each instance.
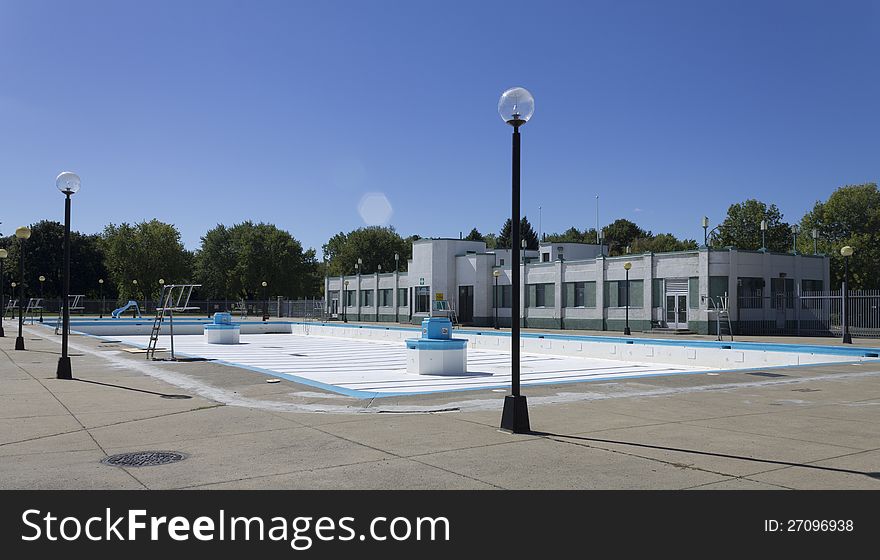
(119, 311)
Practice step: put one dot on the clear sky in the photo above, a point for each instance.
(206, 112)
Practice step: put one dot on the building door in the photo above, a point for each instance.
(676, 303)
(465, 304)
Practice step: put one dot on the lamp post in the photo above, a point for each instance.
(515, 107)
(357, 270)
(815, 234)
(345, 302)
(3, 255)
(162, 292)
(101, 287)
(795, 229)
(626, 267)
(68, 183)
(22, 233)
(12, 295)
(763, 235)
(397, 287)
(496, 273)
(41, 279)
(706, 231)
(134, 293)
(265, 301)
(846, 252)
(376, 303)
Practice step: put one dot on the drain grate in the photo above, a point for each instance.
(765, 374)
(143, 458)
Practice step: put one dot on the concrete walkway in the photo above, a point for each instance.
(805, 428)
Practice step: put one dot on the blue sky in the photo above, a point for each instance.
(206, 112)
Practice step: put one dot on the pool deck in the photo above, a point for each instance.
(803, 428)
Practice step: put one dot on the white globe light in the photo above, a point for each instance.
(846, 251)
(516, 106)
(22, 232)
(67, 182)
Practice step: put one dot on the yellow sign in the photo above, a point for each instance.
(438, 296)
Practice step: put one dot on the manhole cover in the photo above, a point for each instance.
(143, 458)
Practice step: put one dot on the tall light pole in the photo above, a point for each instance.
(846, 252)
(22, 233)
(795, 229)
(815, 234)
(396, 298)
(345, 302)
(626, 267)
(12, 295)
(540, 225)
(376, 303)
(265, 301)
(763, 235)
(706, 231)
(357, 269)
(68, 183)
(515, 107)
(3, 254)
(41, 279)
(598, 238)
(101, 284)
(496, 273)
(134, 293)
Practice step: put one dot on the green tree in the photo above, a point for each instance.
(662, 243)
(573, 235)
(622, 233)
(742, 228)
(475, 235)
(145, 252)
(235, 261)
(45, 257)
(526, 231)
(850, 216)
(491, 240)
(374, 245)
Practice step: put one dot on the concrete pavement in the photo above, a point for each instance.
(812, 427)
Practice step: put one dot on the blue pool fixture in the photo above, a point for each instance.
(222, 330)
(116, 313)
(436, 352)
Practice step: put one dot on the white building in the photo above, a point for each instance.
(576, 286)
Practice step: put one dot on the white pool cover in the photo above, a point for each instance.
(366, 368)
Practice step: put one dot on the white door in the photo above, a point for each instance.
(676, 303)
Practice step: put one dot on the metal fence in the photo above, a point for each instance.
(808, 313)
(305, 309)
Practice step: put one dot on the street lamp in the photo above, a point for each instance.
(12, 295)
(41, 279)
(815, 234)
(626, 267)
(496, 273)
(763, 235)
(396, 287)
(376, 303)
(357, 270)
(68, 183)
(795, 229)
(162, 292)
(345, 302)
(265, 301)
(101, 284)
(706, 231)
(3, 255)
(22, 233)
(846, 252)
(515, 107)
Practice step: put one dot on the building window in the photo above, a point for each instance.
(580, 294)
(349, 298)
(502, 296)
(782, 290)
(423, 299)
(545, 257)
(750, 292)
(540, 295)
(385, 296)
(615, 293)
(502, 262)
(367, 297)
(401, 297)
(811, 288)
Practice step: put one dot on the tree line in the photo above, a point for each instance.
(233, 261)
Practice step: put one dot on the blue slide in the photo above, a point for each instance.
(131, 303)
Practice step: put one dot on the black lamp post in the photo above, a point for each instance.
(3, 255)
(397, 287)
(626, 267)
(67, 183)
(12, 295)
(22, 233)
(846, 252)
(42, 279)
(357, 269)
(763, 235)
(795, 229)
(705, 231)
(101, 284)
(265, 301)
(134, 293)
(815, 233)
(515, 107)
(376, 303)
(344, 301)
(496, 273)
